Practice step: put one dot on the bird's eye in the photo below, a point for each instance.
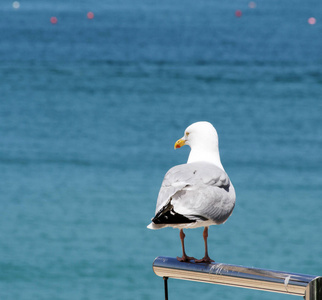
(187, 133)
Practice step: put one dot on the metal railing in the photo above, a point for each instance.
(308, 286)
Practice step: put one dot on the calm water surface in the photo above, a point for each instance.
(89, 113)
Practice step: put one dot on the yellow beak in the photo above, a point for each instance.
(179, 143)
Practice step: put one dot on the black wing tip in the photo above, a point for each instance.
(169, 216)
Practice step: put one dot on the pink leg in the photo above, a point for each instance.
(206, 258)
(184, 257)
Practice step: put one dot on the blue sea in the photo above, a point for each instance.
(89, 113)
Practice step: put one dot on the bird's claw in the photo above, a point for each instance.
(185, 258)
(205, 259)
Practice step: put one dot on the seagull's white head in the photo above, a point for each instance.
(202, 138)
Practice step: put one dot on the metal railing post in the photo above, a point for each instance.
(165, 288)
(314, 290)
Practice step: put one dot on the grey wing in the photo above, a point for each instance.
(197, 191)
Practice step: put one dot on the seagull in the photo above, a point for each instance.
(198, 193)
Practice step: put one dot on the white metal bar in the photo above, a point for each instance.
(308, 286)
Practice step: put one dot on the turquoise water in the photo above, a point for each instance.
(90, 110)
